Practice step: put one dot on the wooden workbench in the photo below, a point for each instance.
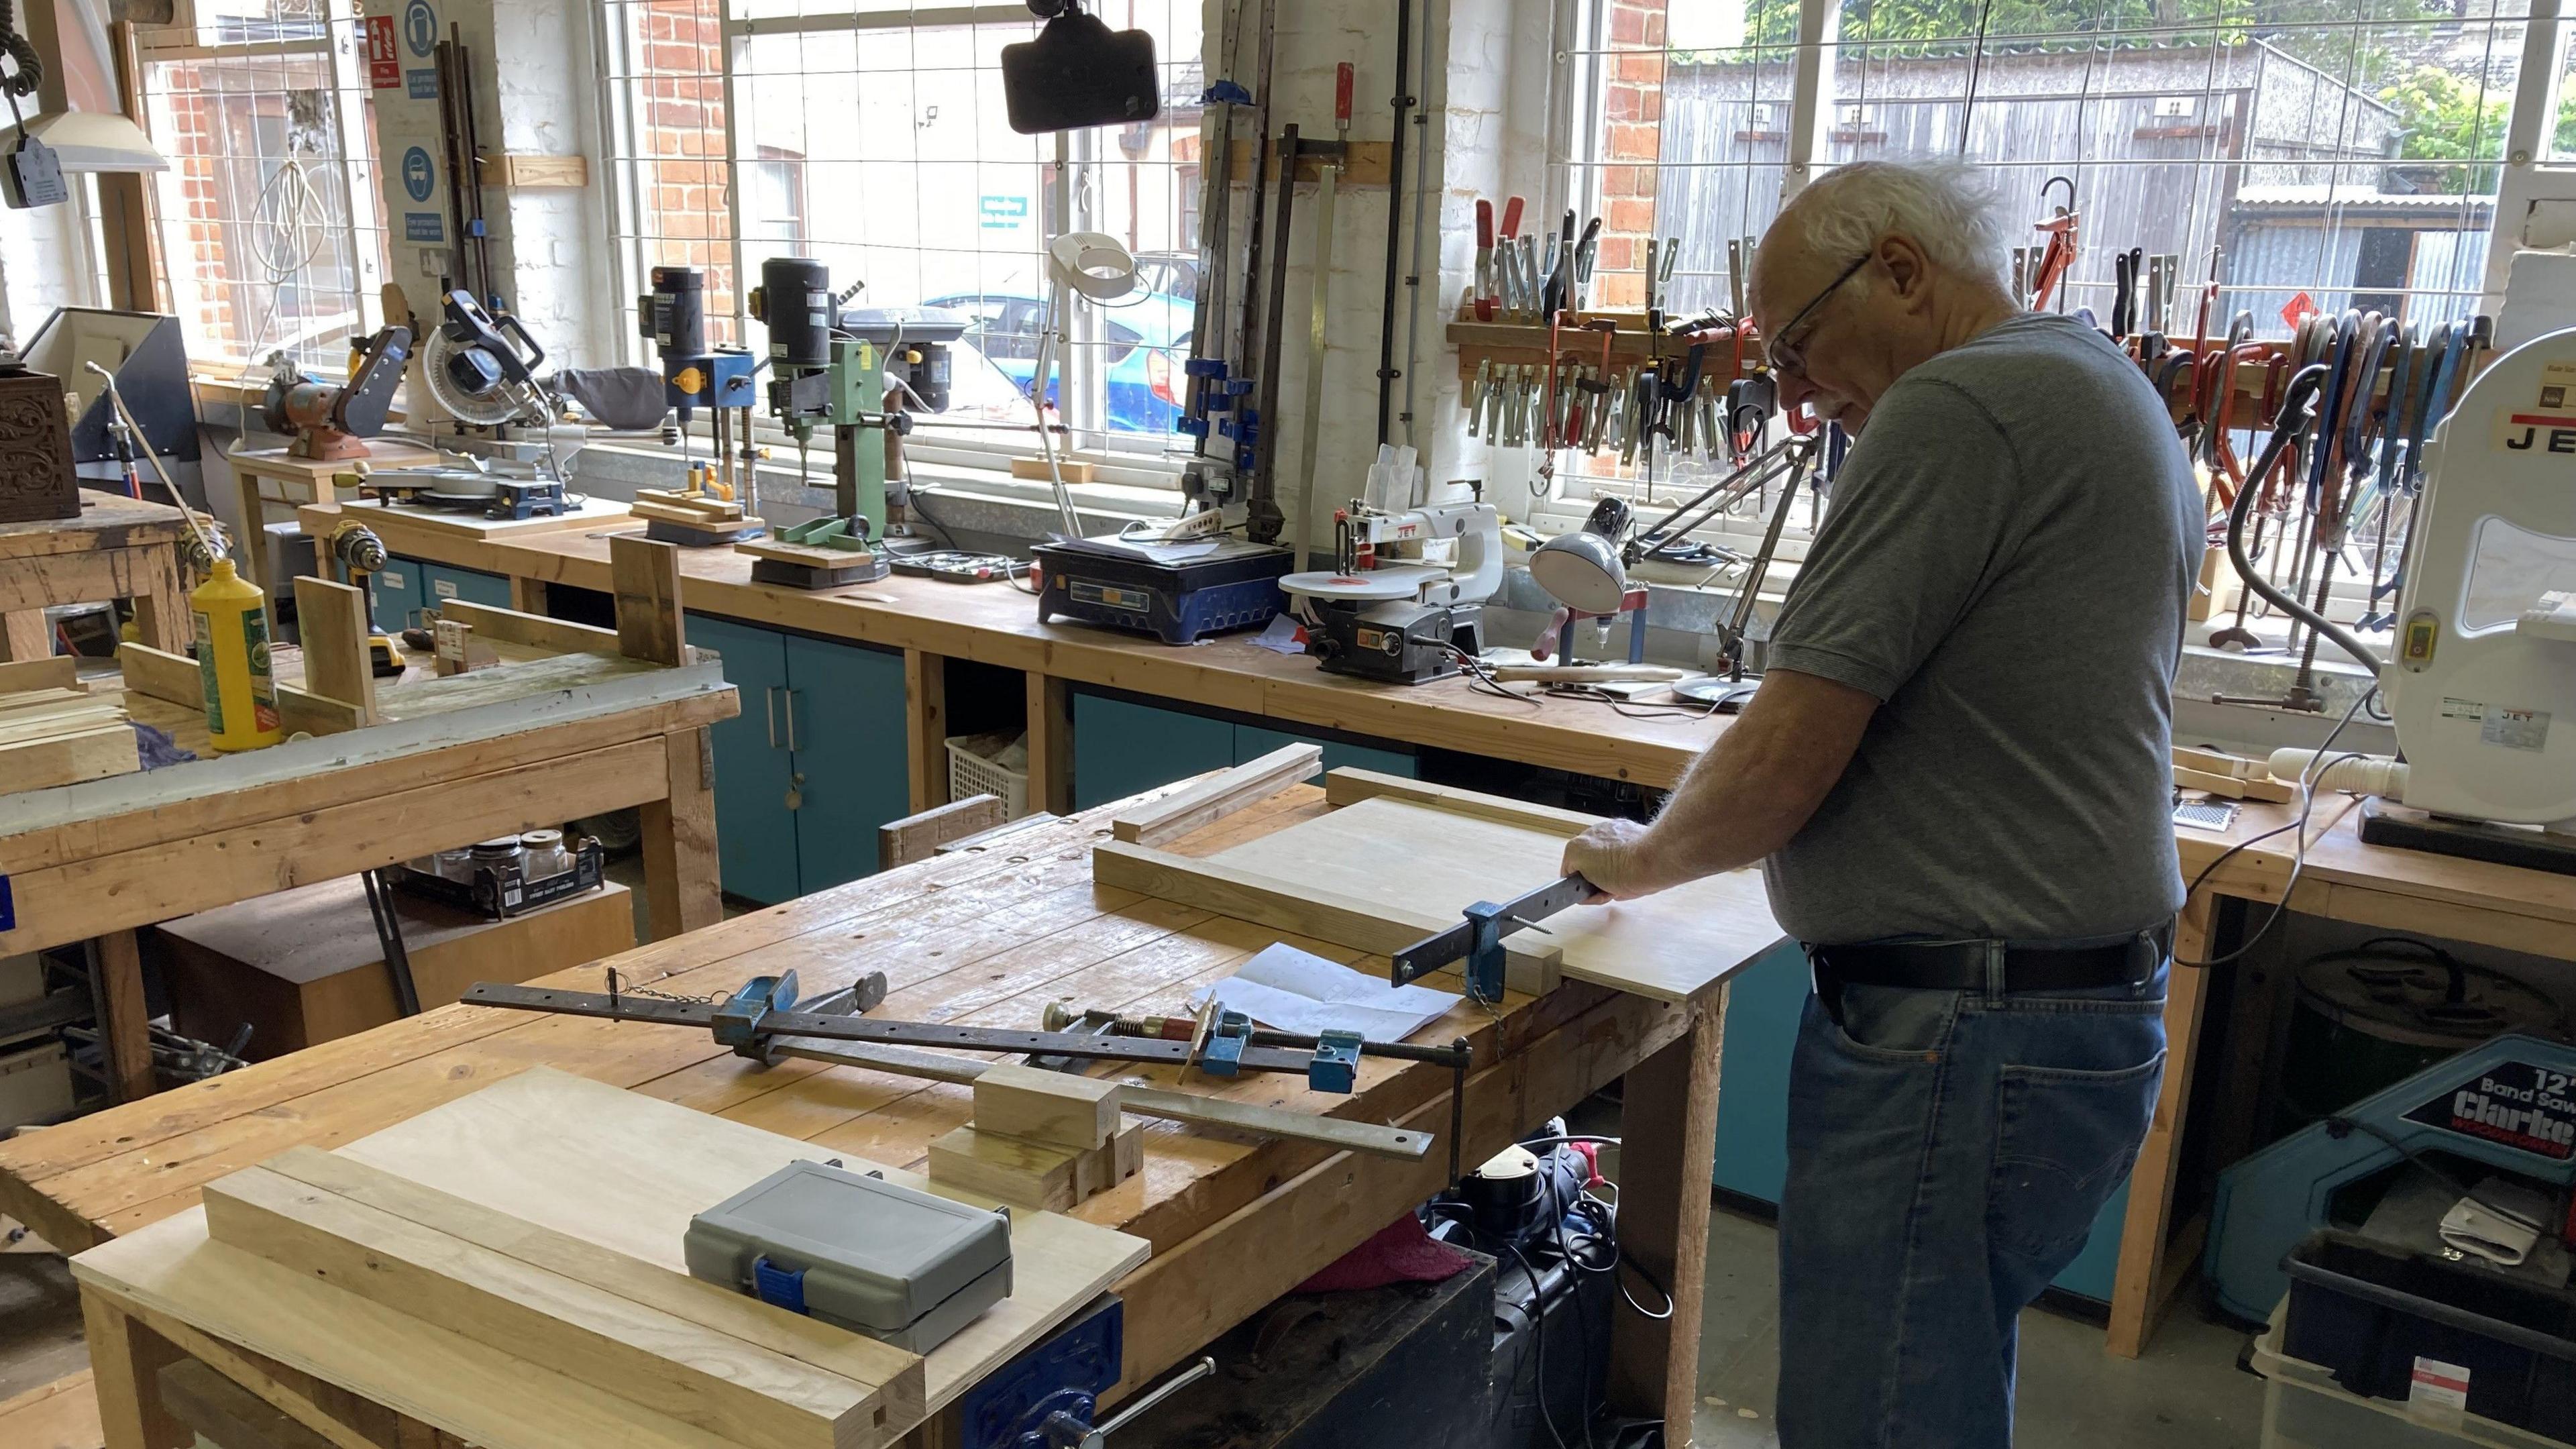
(2341, 879)
(453, 761)
(275, 475)
(994, 625)
(984, 935)
(119, 548)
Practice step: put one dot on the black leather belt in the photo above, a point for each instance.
(1961, 965)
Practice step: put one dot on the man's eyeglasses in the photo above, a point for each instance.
(1786, 356)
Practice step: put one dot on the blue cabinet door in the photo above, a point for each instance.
(1251, 742)
(755, 829)
(1121, 748)
(844, 710)
(447, 581)
(400, 587)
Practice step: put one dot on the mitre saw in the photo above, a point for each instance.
(2483, 682)
(1404, 601)
(481, 370)
(330, 420)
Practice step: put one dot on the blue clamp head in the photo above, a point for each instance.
(1336, 1063)
(737, 1023)
(1204, 367)
(1485, 963)
(1223, 1054)
(1230, 92)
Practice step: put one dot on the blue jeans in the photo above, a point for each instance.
(1948, 1151)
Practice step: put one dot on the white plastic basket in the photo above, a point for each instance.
(975, 768)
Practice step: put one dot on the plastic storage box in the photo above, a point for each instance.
(2303, 1409)
(856, 1251)
(2366, 1311)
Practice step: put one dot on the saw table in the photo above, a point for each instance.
(985, 936)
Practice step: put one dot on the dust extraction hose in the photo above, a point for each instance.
(2297, 406)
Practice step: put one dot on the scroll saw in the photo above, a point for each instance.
(1387, 610)
(2483, 682)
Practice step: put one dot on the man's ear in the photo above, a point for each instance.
(1907, 268)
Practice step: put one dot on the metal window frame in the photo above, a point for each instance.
(177, 43)
(1071, 197)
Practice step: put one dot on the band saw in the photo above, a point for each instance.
(2482, 685)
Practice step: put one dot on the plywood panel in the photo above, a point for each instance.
(627, 1172)
(1427, 858)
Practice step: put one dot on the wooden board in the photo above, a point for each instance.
(59, 1415)
(1219, 795)
(1432, 859)
(626, 1172)
(1298, 905)
(634, 1350)
(67, 759)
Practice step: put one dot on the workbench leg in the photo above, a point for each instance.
(25, 635)
(683, 890)
(124, 1019)
(161, 618)
(125, 1360)
(254, 538)
(925, 727)
(528, 596)
(1668, 1143)
(2139, 1292)
(1050, 744)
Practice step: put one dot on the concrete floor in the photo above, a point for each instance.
(2185, 1394)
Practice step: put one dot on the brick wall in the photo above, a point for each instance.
(680, 166)
(1633, 110)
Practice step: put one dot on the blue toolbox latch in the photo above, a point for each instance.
(777, 1286)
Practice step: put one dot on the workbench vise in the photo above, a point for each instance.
(738, 1022)
(1048, 1397)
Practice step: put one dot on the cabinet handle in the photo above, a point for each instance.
(791, 719)
(769, 711)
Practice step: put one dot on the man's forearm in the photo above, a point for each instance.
(1748, 793)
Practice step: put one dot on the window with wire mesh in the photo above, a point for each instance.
(2295, 156)
(872, 138)
(266, 125)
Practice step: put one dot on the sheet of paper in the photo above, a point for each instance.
(1284, 636)
(1286, 989)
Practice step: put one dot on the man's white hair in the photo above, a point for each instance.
(1947, 206)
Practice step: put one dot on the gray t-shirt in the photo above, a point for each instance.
(2005, 563)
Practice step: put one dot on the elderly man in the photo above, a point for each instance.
(1955, 775)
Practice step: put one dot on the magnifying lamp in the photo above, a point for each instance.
(1586, 572)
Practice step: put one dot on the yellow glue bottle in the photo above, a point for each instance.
(232, 656)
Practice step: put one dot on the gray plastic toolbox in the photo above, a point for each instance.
(857, 1251)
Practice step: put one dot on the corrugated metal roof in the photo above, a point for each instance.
(2321, 194)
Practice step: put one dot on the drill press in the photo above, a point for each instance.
(721, 503)
(819, 380)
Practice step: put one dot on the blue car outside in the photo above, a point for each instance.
(1149, 340)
